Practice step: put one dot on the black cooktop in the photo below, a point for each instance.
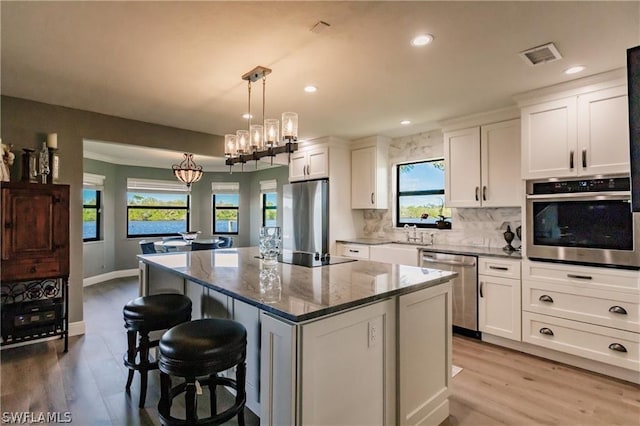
(311, 260)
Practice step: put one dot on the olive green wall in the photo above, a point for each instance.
(25, 124)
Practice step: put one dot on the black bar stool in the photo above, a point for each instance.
(202, 348)
(142, 316)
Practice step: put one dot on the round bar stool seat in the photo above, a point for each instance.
(142, 316)
(202, 348)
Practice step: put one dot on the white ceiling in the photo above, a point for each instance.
(179, 63)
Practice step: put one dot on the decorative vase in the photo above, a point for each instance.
(508, 237)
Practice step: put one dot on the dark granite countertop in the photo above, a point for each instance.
(442, 248)
(305, 293)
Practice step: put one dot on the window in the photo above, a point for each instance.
(269, 198)
(156, 207)
(93, 185)
(420, 194)
(225, 201)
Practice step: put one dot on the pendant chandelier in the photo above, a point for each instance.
(261, 140)
(187, 171)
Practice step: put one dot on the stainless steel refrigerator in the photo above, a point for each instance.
(305, 222)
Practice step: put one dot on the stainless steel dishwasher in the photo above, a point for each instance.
(465, 288)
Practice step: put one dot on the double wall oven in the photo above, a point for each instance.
(586, 221)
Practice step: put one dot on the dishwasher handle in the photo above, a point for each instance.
(430, 259)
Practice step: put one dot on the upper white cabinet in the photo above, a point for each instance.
(309, 163)
(483, 166)
(369, 174)
(579, 135)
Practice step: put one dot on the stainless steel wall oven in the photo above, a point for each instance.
(583, 221)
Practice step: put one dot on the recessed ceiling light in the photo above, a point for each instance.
(422, 40)
(247, 116)
(574, 70)
(405, 122)
(310, 89)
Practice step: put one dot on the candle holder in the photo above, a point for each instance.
(43, 163)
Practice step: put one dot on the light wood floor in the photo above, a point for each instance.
(496, 385)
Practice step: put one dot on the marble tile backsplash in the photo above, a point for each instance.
(482, 227)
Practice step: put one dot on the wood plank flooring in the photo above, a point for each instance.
(497, 386)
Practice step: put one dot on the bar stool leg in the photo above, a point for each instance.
(144, 366)
(241, 374)
(212, 394)
(164, 407)
(131, 356)
(190, 401)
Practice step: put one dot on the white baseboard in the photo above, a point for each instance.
(109, 276)
(75, 329)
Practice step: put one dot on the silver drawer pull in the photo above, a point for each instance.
(545, 298)
(618, 310)
(499, 268)
(617, 347)
(547, 331)
(580, 277)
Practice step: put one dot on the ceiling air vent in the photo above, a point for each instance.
(541, 54)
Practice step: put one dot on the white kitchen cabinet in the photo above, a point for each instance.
(423, 389)
(369, 177)
(578, 135)
(308, 163)
(586, 311)
(357, 251)
(483, 166)
(499, 306)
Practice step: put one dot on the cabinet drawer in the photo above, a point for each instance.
(611, 346)
(15, 271)
(606, 308)
(497, 267)
(584, 276)
(355, 250)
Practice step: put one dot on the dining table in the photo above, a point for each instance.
(181, 245)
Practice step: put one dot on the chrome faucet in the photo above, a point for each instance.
(415, 233)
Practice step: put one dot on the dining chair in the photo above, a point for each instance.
(226, 242)
(147, 247)
(195, 245)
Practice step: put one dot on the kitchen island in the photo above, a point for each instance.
(359, 342)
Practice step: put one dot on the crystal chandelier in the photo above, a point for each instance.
(261, 140)
(187, 171)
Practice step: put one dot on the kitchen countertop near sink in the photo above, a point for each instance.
(441, 248)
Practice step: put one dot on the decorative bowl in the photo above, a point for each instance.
(189, 235)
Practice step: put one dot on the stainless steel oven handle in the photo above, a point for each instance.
(447, 262)
(587, 196)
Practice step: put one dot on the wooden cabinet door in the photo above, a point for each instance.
(35, 231)
(603, 132)
(549, 139)
(500, 153)
(462, 170)
(298, 166)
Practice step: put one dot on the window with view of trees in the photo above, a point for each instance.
(153, 214)
(91, 214)
(269, 208)
(225, 213)
(420, 194)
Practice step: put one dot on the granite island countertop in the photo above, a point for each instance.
(305, 293)
(441, 248)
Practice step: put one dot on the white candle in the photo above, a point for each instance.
(52, 140)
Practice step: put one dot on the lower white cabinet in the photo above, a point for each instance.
(357, 251)
(387, 363)
(499, 306)
(611, 346)
(586, 311)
